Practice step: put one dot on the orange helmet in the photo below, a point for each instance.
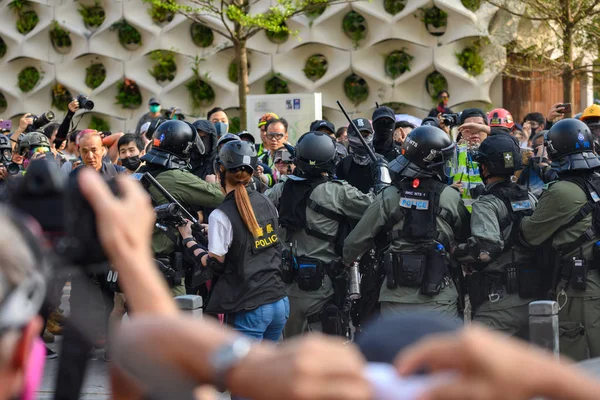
(266, 118)
(501, 117)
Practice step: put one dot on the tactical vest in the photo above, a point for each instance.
(419, 208)
(252, 274)
(344, 223)
(590, 184)
(518, 204)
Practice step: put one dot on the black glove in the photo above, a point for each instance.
(381, 174)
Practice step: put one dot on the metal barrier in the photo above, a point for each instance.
(190, 303)
(543, 325)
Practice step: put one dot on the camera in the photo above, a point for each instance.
(12, 168)
(40, 120)
(450, 119)
(71, 226)
(85, 103)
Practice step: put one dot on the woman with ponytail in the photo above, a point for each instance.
(244, 251)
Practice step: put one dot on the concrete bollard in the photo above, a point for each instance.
(190, 303)
(543, 325)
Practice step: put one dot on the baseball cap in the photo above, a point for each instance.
(246, 135)
(265, 118)
(153, 101)
(321, 123)
(383, 112)
(362, 124)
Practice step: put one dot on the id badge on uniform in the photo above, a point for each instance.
(415, 199)
(521, 205)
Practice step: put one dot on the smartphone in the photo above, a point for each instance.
(6, 125)
(566, 108)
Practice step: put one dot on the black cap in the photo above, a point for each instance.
(382, 340)
(432, 121)
(362, 124)
(153, 101)
(321, 123)
(473, 112)
(247, 135)
(383, 112)
(500, 154)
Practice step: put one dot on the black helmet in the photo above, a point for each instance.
(5, 142)
(571, 146)
(32, 140)
(172, 144)
(427, 151)
(500, 154)
(315, 153)
(430, 121)
(237, 154)
(226, 138)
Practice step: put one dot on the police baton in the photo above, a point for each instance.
(151, 180)
(362, 139)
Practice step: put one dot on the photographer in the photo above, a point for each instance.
(250, 289)
(474, 129)
(158, 336)
(24, 122)
(63, 129)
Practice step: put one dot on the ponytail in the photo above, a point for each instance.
(240, 179)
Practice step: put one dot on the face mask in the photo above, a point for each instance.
(221, 128)
(154, 109)
(384, 125)
(131, 163)
(35, 370)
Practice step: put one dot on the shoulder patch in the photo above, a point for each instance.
(547, 185)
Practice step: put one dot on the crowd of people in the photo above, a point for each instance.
(468, 217)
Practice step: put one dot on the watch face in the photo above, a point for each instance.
(227, 356)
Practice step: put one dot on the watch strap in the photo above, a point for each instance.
(226, 357)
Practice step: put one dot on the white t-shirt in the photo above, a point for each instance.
(220, 233)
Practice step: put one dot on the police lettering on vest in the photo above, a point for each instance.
(267, 238)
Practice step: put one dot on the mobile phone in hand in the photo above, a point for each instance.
(6, 125)
(566, 108)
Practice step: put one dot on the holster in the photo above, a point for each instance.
(288, 265)
(388, 269)
(479, 288)
(331, 320)
(436, 270)
(339, 277)
(310, 274)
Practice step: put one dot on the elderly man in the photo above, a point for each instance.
(93, 154)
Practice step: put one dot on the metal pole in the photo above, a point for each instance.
(543, 325)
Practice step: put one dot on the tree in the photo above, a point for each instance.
(570, 48)
(238, 23)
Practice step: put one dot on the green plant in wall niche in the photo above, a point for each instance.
(434, 84)
(3, 47)
(393, 7)
(314, 11)
(472, 5)
(129, 37)
(61, 97)
(435, 20)
(355, 27)
(95, 75)
(27, 19)
(232, 73)
(201, 93)
(276, 85)
(128, 94)
(279, 34)
(356, 89)
(93, 16)
(60, 37)
(161, 15)
(315, 67)
(28, 78)
(471, 60)
(397, 63)
(234, 124)
(99, 124)
(165, 67)
(202, 35)
(3, 103)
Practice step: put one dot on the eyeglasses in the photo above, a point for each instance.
(275, 135)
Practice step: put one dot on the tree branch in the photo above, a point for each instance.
(508, 10)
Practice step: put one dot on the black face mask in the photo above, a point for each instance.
(384, 125)
(131, 163)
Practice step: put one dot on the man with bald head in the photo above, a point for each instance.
(93, 154)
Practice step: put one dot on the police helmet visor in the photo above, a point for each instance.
(6, 155)
(445, 158)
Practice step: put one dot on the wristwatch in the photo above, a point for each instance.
(226, 358)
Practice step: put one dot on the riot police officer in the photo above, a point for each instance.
(414, 224)
(167, 161)
(491, 258)
(566, 225)
(314, 213)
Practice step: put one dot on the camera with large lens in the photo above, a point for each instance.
(450, 119)
(85, 103)
(12, 168)
(40, 120)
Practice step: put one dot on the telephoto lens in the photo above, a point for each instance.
(85, 103)
(41, 120)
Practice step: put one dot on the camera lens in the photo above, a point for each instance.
(13, 168)
(85, 103)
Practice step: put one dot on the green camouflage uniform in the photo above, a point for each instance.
(336, 196)
(361, 239)
(580, 316)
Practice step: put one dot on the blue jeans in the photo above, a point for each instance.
(264, 322)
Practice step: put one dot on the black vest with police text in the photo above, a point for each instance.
(252, 274)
